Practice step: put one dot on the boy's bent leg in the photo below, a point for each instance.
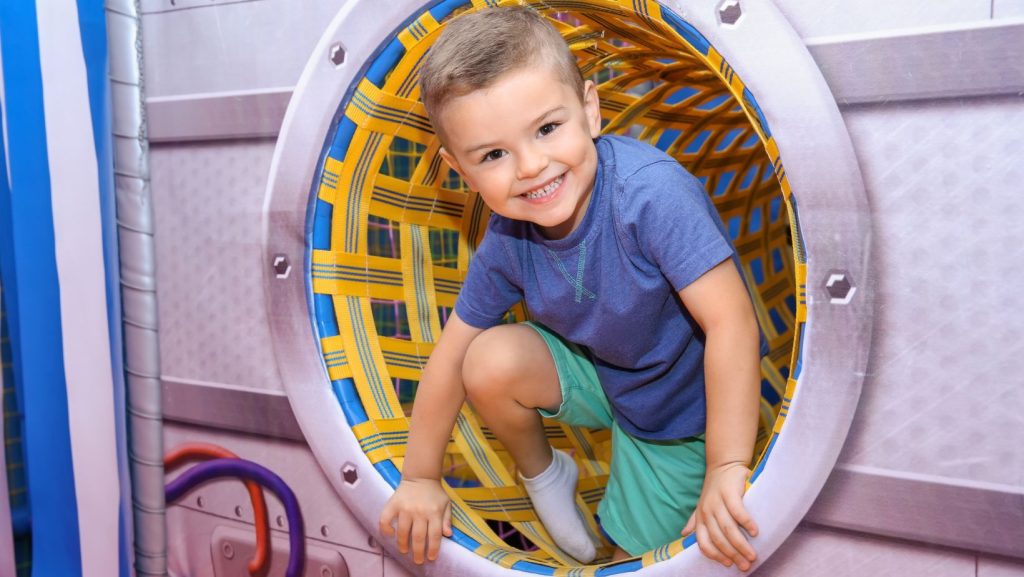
(509, 375)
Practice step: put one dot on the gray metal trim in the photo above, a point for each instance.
(980, 59)
(936, 510)
(220, 406)
(217, 116)
(138, 287)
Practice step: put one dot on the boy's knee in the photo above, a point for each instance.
(493, 359)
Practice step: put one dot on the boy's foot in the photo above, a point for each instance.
(553, 493)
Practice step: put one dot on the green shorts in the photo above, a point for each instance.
(653, 486)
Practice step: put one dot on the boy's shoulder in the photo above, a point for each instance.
(629, 156)
(645, 174)
(652, 186)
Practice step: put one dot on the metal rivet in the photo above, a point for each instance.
(337, 54)
(280, 521)
(325, 571)
(227, 550)
(199, 502)
(282, 268)
(729, 12)
(350, 474)
(325, 530)
(238, 510)
(839, 287)
(371, 542)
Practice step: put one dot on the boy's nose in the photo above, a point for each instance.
(531, 163)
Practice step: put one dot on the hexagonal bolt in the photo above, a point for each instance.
(337, 54)
(282, 268)
(729, 12)
(350, 474)
(839, 287)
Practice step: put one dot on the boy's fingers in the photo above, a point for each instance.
(708, 548)
(722, 543)
(447, 520)
(386, 518)
(743, 554)
(419, 540)
(404, 524)
(433, 540)
(688, 528)
(739, 512)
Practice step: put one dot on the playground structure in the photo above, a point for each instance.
(259, 349)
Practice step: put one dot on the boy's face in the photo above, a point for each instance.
(525, 144)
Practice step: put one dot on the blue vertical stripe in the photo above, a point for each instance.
(30, 274)
(93, 29)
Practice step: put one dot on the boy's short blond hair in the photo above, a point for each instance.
(477, 48)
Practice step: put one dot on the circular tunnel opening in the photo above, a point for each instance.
(393, 231)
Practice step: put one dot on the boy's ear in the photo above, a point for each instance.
(592, 108)
(448, 158)
(454, 164)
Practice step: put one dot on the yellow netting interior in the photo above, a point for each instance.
(394, 232)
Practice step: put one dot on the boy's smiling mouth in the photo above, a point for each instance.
(544, 191)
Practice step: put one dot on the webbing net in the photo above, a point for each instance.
(394, 230)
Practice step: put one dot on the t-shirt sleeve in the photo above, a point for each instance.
(489, 289)
(674, 224)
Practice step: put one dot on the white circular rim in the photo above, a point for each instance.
(834, 221)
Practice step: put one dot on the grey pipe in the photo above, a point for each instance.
(138, 286)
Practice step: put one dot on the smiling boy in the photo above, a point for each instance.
(641, 322)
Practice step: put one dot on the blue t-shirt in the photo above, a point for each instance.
(611, 285)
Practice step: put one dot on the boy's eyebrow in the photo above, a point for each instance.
(543, 116)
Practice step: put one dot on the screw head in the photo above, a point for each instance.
(227, 550)
(282, 268)
(350, 474)
(326, 571)
(337, 54)
(729, 12)
(839, 287)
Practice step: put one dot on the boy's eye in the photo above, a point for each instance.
(493, 155)
(548, 128)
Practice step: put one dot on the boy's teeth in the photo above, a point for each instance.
(546, 190)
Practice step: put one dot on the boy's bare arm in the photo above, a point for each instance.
(420, 511)
(720, 304)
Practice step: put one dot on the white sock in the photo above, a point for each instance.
(553, 493)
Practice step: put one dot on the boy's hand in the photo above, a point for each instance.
(720, 514)
(423, 512)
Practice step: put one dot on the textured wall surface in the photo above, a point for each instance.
(208, 200)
